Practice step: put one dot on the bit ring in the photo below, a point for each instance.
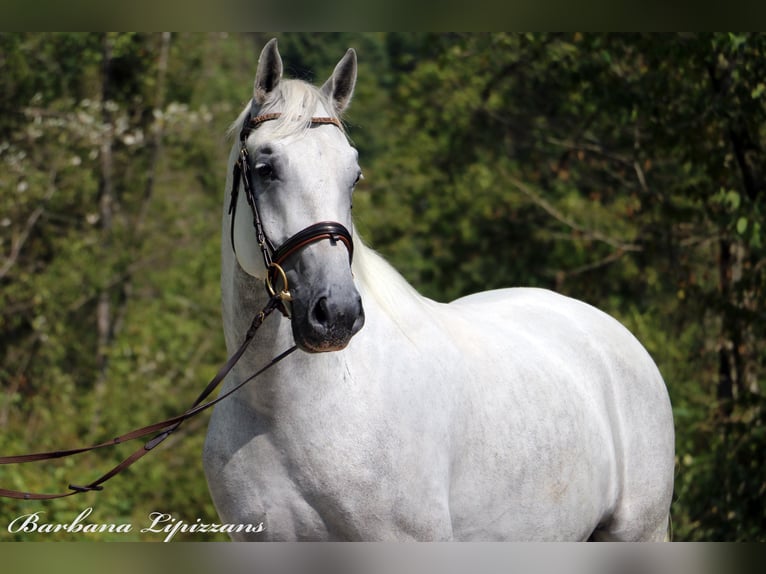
(284, 294)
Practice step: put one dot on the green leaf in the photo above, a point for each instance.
(742, 225)
(733, 198)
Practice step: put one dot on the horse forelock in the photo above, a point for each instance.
(296, 101)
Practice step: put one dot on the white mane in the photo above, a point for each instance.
(383, 283)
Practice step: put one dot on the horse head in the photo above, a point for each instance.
(297, 172)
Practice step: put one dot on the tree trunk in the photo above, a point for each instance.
(106, 205)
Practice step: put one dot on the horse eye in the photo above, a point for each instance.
(264, 170)
(359, 177)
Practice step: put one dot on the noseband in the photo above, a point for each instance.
(274, 257)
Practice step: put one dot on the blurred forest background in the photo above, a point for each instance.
(624, 170)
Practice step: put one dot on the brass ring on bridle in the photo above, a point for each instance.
(284, 294)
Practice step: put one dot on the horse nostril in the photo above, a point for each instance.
(321, 312)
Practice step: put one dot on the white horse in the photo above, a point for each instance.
(515, 414)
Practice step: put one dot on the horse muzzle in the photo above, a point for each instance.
(326, 307)
(328, 320)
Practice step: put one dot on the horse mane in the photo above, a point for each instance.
(296, 101)
(382, 282)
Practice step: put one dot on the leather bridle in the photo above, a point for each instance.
(273, 258)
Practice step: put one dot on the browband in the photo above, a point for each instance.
(258, 120)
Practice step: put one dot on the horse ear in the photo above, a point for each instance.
(340, 86)
(269, 71)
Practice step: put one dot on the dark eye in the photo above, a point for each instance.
(359, 177)
(264, 170)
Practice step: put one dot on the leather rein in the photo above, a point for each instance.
(273, 258)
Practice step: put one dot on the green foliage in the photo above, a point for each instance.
(155, 262)
(625, 170)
